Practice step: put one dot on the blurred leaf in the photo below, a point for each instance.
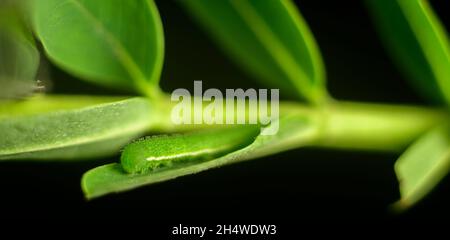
(19, 58)
(111, 42)
(270, 39)
(295, 130)
(418, 42)
(423, 165)
(63, 127)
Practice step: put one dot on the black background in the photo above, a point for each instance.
(316, 186)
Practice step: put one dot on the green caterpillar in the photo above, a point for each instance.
(153, 153)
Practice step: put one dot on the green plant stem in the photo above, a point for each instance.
(377, 127)
(346, 125)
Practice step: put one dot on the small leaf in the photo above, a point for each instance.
(19, 58)
(423, 165)
(270, 39)
(70, 126)
(418, 43)
(114, 43)
(295, 130)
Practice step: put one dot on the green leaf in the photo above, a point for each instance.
(19, 58)
(111, 42)
(418, 43)
(50, 127)
(423, 165)
(268, 38)
(295, 130)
